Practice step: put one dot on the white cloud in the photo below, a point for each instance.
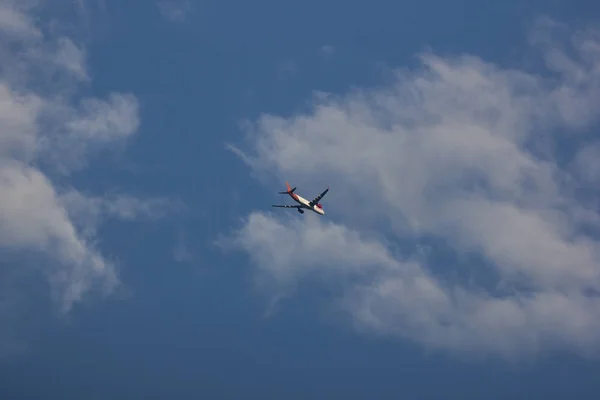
(465, 153)
(72, 58)
(89, 211)
(15, 23)
(101, 120)
(73, 131)
(18, 130)
(34, 219)
(587, 163)
(47, 122)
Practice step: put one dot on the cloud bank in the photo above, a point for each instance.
(48, 129)
(463, 212)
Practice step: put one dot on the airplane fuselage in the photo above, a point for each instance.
(306, 204)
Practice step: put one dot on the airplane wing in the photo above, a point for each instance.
(286, 206)
(319, 197)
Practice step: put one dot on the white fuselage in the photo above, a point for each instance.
(306, 204)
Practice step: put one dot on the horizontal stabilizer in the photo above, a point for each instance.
(289, 191)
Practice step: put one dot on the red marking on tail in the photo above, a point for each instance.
(289, 191)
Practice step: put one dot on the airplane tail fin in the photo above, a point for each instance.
(289, 189)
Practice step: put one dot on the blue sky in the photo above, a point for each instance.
(142, 144)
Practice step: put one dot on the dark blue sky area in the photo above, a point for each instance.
(197, 328)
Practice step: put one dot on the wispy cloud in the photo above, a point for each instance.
(327, 50)
(174, 10)
(16, 24)
(181, 252)
(72, 58)
(465, 154)
(47, 122)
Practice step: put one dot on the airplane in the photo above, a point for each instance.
(313, 205)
